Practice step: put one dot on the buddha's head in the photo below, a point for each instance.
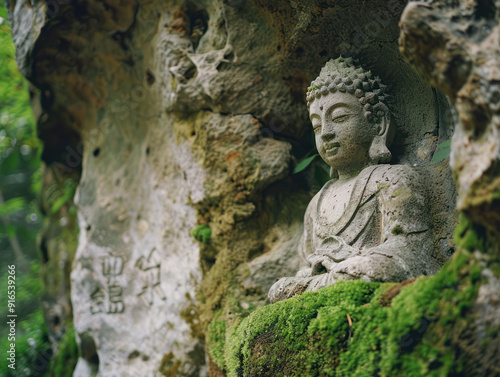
(350, 119)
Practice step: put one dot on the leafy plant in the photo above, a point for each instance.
(443, 151)
(62, 195)
(321, 172)
(64, 362)
(19, 156)
(20, 218)
(302, 165)
(10, 206)
(201, 233)
(33, 349)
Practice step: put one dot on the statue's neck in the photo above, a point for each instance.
(347, 174)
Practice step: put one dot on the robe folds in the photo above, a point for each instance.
(384, 233)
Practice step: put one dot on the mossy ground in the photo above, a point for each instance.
(354, 329)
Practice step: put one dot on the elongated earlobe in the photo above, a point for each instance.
(379, 153)
(382, 127)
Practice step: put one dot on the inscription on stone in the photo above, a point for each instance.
(109, 299)
(149, 276)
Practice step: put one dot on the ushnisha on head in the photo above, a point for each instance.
(341, 77)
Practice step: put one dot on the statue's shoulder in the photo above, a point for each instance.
(313, 204)
(394, 173)
(392, 177)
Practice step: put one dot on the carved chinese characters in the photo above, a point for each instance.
(150, 271)
(108, 299)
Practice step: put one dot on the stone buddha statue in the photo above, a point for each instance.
(371, 220)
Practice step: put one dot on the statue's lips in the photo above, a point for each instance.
(332, 148)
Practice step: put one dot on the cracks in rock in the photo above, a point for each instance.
(89, 351)
(225, 63)
(198, 23)
(123, 37)
(417, 232)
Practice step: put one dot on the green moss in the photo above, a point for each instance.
(402, 191)
(416, 333)
(495, 268)
(64, 362)
(466, 236)
(169, 365)
(261, 343)
(201, 233)
(397, 230)
(216, 340)
(191, 317)
(382, 186)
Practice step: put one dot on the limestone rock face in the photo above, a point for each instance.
(189, 115)
(162, 108)
(456, 48)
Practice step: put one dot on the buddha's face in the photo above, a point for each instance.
(343, 134)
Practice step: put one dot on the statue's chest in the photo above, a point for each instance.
(346, 212)
(333, 204)
(349, 211)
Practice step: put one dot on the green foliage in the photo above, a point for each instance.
(17, 123)
(304, 164)
(321, 170)
(33, 350)
(10, 206)
(28, 288)
(311, 334)
(465, 235)
(19, 215)
(64, 362)
(216, 335)
(3, 11)
(322, 173)
(443, 151)
(201, 233)
(19, 155)
(58, 195)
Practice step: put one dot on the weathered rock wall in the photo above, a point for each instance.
(447, 324)
(186, 117)
(455, 46)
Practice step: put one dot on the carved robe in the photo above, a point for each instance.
(383, 234)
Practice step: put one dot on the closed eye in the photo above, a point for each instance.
(341, 118)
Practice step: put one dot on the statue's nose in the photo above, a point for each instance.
(327, 133)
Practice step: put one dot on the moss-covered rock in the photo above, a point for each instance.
(354, 328)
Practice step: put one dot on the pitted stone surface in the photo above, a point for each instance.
(192, 113)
